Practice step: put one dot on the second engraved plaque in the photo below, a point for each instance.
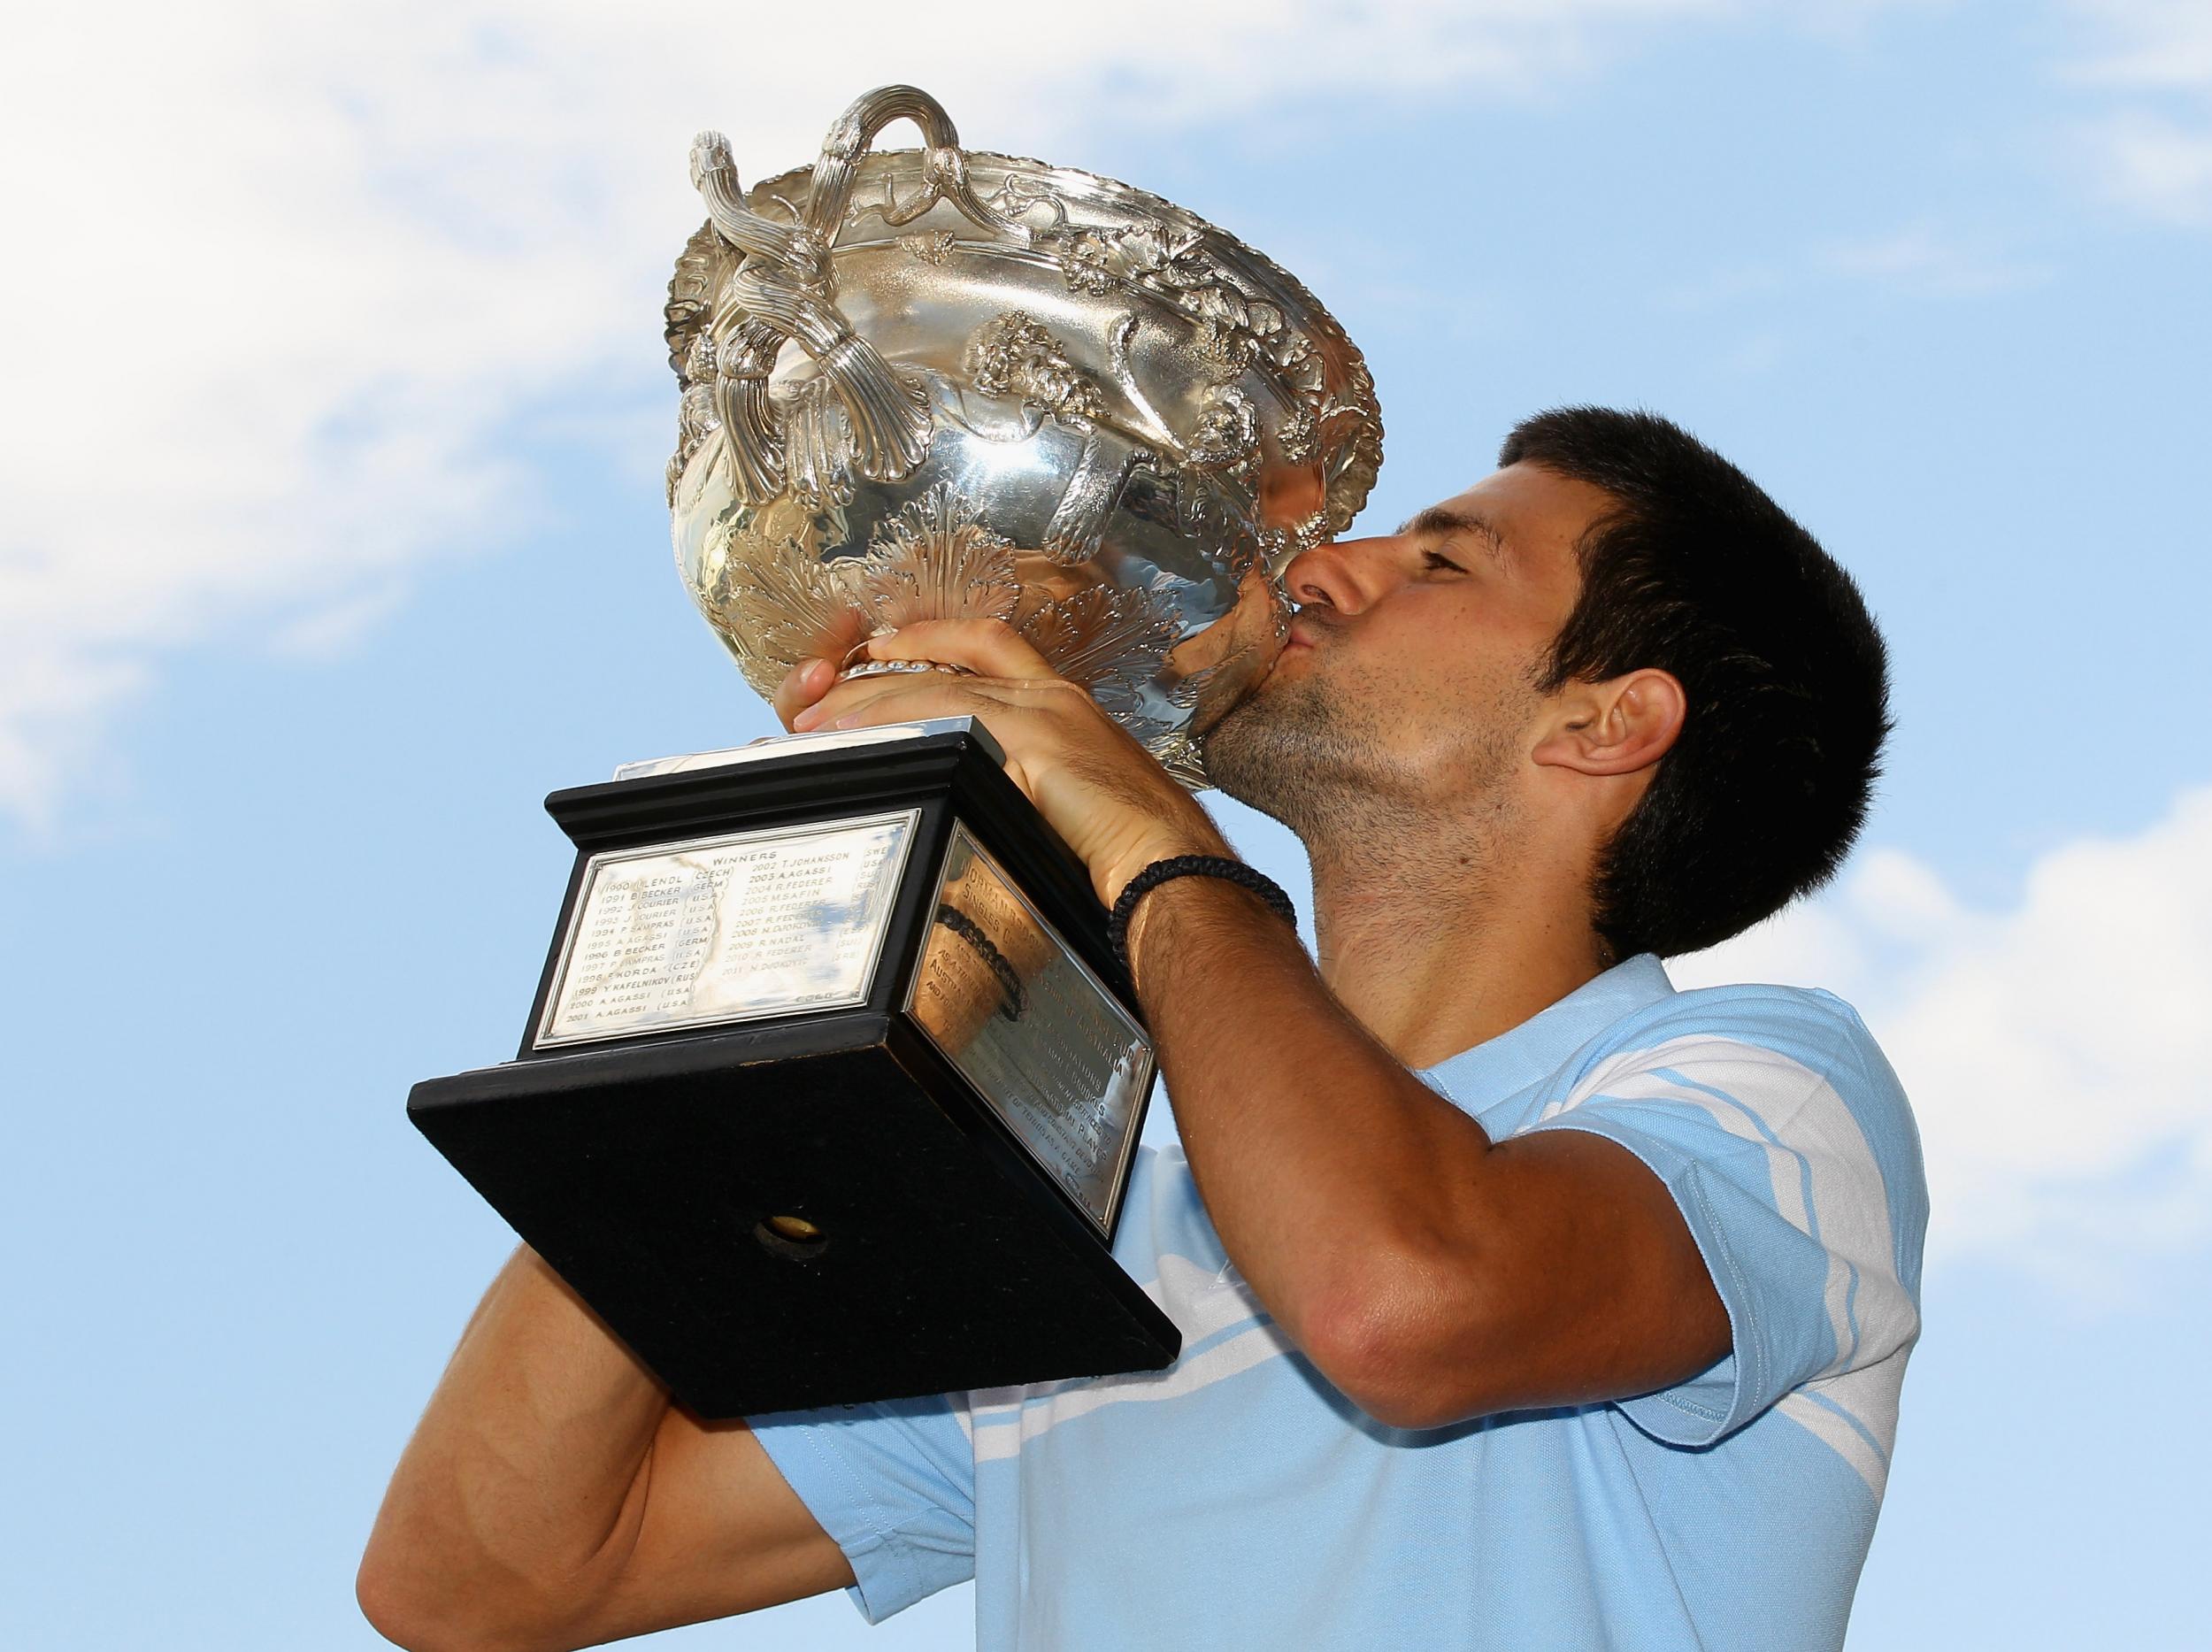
(1039, 1035)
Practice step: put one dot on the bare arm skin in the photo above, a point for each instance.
(552, 1498)
(1431, 1274)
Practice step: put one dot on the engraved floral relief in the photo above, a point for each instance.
(1109, 640)
(700, 271)
(1234, 331)
(1178, 754)
(932, 248)
(1012, 355)
(1206, 519)
(1017, 197)
(705, 262)
(767, 591)
(935, 561)
(1087, 261)
(695, 416)
(1227, 436)
(1232, 328)
(776, 602)
(1312, 531)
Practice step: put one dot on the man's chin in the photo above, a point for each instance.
(1237, 681)
(1250, 750)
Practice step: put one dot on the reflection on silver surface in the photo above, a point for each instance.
(943, 382)
(784, 745)
(728, 929)
(1033, 1030)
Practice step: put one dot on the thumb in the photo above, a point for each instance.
(805, 683)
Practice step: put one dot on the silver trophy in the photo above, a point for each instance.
(934, 383)
(832, 1086)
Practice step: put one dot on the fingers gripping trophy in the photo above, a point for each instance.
(832, 1084)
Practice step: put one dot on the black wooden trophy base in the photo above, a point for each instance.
(930, 1253)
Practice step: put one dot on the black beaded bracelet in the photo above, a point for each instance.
(1175, 866)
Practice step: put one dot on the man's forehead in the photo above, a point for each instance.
(1455, 517)
(1520, 508)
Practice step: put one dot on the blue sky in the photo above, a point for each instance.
(335, 540)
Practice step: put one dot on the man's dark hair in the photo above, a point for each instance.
(1698, 573)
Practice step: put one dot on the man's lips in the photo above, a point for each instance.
(1305, 632)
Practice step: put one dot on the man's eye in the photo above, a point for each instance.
(1432, 559)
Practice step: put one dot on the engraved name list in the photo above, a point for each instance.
(727, 929)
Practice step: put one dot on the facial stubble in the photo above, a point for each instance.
(1309, 750)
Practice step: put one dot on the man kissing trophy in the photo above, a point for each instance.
(832, 1042)
(1522, 1300)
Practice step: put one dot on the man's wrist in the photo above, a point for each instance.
(1160, 848)
(1224, 880)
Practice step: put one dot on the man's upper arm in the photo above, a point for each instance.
(877, 1498)
(721, 1532)
(1700, 1225)
(1576, 1280)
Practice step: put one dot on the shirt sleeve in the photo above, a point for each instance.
(1787, 1144)
(893, 1483)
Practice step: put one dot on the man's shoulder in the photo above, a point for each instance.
(1806, 1026)
(1790, 1076)
(1765, 1046)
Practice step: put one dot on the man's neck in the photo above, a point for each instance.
(1436, 953)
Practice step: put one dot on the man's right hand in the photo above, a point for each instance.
(552, 1498)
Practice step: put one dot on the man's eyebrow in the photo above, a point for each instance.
(1442, 521)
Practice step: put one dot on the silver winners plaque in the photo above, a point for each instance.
(726, 928)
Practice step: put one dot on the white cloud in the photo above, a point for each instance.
(2156, 164)
(2059, 1055)
(2147, 43)
(282, 278)
(2151, 150)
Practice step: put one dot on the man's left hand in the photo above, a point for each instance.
(1101, 791)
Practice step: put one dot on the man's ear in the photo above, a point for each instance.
(1614, 728)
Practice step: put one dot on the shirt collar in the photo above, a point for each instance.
(1519, 1056)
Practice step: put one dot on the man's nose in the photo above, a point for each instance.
(1344, 574)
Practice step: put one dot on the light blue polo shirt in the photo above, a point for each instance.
(1237, 1501)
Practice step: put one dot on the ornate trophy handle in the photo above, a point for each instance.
(781, 290)
(944, 168)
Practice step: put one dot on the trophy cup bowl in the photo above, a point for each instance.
(832, 1085)
(937, 382)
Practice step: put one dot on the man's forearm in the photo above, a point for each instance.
(1328, 1170)
(524, 1473)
